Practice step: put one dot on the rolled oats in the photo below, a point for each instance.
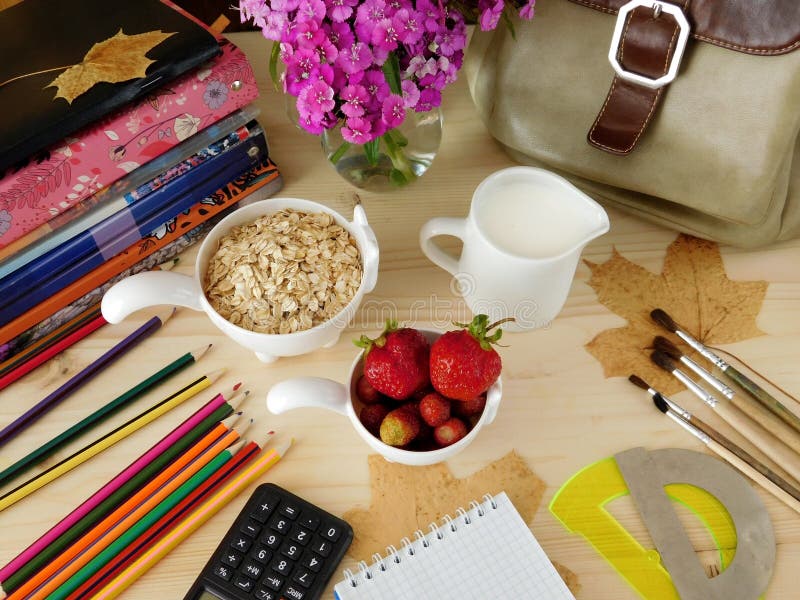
(284, 272)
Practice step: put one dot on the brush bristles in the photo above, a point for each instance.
(660, 403)
(664, 345)
(638, 381)
(663, 319)
(663, 361)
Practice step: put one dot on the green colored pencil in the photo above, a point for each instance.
(101, 414)
(104, 508)
(129, 536)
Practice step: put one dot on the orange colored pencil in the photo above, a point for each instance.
(105, 532)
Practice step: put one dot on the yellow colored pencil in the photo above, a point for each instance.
(108, 440)
(190, 524)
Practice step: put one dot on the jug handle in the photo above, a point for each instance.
(148, 289)
(436, 227)
(303, 392)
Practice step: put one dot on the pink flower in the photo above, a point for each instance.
(384, 36)
(490, 13)
(355, 58)
(375, 83)
(357, 130)
(368, 15)
(311, 10)
(410, 93)
(526, 12)
(340, 10)
(393, 111)
(355, 97)
(409, 29)
(429, 98)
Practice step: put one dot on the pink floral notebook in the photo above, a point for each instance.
(101, 153)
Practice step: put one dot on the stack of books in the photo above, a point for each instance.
(126, 132)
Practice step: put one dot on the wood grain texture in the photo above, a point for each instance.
(558, 411)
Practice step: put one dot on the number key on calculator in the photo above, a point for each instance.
(280, 547)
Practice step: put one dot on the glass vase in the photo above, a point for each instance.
(398, 158)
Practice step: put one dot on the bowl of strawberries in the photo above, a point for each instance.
(415, 396)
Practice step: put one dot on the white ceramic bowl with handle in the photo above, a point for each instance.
(164, 287)
(318, 392)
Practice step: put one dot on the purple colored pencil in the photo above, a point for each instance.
(83, 377)
(117, 482)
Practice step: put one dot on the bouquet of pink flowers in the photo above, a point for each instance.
(361, 64)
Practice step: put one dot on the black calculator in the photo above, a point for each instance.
(280, 547)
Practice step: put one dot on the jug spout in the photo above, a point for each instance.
(149, 289)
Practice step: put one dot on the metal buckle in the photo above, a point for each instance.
(683, 36)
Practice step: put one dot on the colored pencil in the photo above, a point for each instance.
(127, 538)
(102, 413)
(167, 522)
(108, 440)
(191, 523)
(84, 376)
(26, 346)
(209, 420)
(53, 350)
(125, 516)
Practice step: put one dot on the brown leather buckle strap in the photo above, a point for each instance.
(646, 47)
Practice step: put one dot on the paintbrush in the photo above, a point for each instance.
(715, 435)
(748, 385)
(773, 447)
(664, 345)
(754, 410)
(728, 456)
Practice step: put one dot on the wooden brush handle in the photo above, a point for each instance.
(766, 399)
(743, 467)
(768, 420)
(782, 455)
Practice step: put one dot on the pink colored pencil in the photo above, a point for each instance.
(109, 488)
(50, 352)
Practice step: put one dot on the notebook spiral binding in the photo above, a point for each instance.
(409, 548)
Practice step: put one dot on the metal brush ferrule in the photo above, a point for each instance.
(690, 428)
(695, 389)
(677, 408)
(718, 362)
(708, 377)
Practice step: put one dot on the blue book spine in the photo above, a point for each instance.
(172, 199)
(112, 228)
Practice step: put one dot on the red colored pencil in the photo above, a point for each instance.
(50, 352)
(163, 526)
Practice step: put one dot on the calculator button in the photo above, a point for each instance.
(273, 582)
(261, 555)
(300, 535)
(251, 528)
(244, 584)
(282, 566)
(272, 540)
(263, 593)
(241, 543)
(291, 550)
(280, 524)
(264, 507)
(223, 572)
(312, 562)
(308, 520)
(232, 559)
(304, 578)
(251, 569)
(292, 593)
(331, 532)
(289, 510)
(321, 547)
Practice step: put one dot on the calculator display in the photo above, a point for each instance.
(280, 547)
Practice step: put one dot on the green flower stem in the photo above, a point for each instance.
(336, 156)
(399, 160)
(273, 63)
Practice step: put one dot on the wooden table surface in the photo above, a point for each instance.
(558, 411)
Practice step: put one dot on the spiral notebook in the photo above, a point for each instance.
(484, 552)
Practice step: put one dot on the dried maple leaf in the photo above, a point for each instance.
(119, 58)
(692, 288)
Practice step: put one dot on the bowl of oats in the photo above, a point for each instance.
(282, 277)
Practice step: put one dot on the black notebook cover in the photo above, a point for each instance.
(40, 35)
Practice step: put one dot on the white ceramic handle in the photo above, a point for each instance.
(370, 251)
(493, 397)
(303, 392)
(441, 226)
(149, 289)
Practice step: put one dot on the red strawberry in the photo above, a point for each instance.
(371, 417)
(400, 427)
(397, 362)
(470, 408)
(434, 409)
(366, 393)
(463, 362)
(450, 432)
